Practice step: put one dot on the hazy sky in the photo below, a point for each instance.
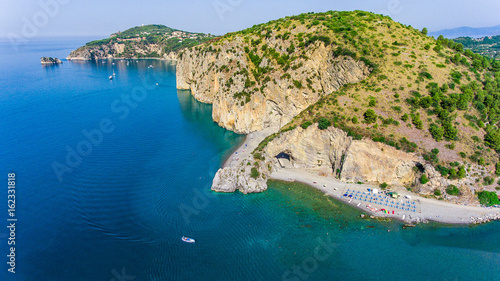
(30, 18)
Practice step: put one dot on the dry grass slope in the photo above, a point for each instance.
(423, 93)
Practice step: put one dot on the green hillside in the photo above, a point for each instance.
(157, 34)
(486, 46)
(139, 41)
(424, 95)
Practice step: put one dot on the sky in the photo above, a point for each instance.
(99, 18)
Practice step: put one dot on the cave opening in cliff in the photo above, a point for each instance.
(284, 159)
(284, 155)
(420, 167)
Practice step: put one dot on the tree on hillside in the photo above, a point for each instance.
(424, 179)
(492, 139)
(424, 31)
(436, 132)
(461, 172)
(370, 116)
(488, 198)
(450, 132)
(324, 123)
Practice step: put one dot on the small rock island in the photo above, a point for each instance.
(50, 60)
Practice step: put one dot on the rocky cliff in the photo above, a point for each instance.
(146, 41)
(331, 152)
(334, 153)
(373, 162)
(240, 177)
(328, 152)
(220, 75)
(50, 60)
(467, 186)
(120, 50)
(390, 86)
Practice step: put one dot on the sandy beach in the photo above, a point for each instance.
(409, 207)
(248, 146)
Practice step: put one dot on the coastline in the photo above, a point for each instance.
(425, 209)
(117, 58)
(244, 150)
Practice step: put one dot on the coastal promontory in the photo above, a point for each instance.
(146, 41)
(354, 96)
(348, 96)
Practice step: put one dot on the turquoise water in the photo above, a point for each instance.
(120, 212)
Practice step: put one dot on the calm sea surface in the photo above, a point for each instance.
(110, 174)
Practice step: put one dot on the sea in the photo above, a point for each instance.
(110, 174)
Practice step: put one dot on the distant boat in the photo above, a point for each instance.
(187, 239)
(114, 74)
(111, 77)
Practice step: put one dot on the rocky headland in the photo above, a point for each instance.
(147, 41)
(276, 85)
(347, 97)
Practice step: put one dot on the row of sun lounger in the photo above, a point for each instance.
(381, 200)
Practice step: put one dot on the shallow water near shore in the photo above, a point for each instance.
(122, 210)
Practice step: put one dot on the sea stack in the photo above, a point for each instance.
(50, 60)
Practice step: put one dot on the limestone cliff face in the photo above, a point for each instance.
(467, 187)
(332, 152)
(218, 74)
(170, 56)
(368, 161)
(312, 148)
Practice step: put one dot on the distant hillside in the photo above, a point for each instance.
(486, 46)
(466, 31)
(148, 41)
